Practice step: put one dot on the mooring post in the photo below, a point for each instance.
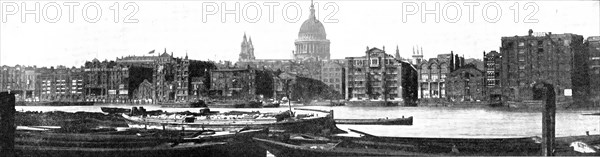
(548, 117)
(7, 124)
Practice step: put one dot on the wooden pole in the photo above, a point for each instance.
(7, 122)
(548, 117)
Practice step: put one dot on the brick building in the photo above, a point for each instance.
(492, 67)
(378, 76)
(235, 83)
(332, 74)
(20, 80)
(593, 47)
(557, 59)
(466, 83)
(61, 84)
(106, 82)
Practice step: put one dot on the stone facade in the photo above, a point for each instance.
(492, 67)
(61, 84)
(182, 78)
(432, 76)
(376, 76)
(234, 83)
(557, 59)
(106, 82)
(332, 74)
(144, 93)
(466, 84)
(20, 80)
(593, 47)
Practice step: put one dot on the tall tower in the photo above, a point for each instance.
(247, 52)
(417, 56)
(397, 53)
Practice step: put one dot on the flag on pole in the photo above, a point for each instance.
(151, 52)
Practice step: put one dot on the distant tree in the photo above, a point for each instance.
(307, 89)
(137, 75)
(264, 83)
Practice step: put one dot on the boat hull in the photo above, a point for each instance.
(306, 125)
(281, 149)
(67, 144)
(114, 110)
(393, 121)
(464, 146)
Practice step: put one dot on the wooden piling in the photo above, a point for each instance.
(7, 124)
(548, 118)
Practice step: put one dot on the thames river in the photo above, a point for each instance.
(428, 121)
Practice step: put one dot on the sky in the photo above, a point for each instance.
(196, 28)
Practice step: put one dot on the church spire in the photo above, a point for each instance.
(397, 52)
(244, 37)
(312, 10)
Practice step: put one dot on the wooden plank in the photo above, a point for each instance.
(7, 122)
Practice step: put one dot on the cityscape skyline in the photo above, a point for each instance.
(71, 44)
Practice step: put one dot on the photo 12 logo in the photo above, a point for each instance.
(53, 12)
(253, 12)
(452, 12)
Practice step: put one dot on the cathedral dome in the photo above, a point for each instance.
(312, 29)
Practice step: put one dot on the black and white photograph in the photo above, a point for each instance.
(299, 78)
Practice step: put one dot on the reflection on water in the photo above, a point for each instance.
(428, 121)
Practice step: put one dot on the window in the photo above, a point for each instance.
(374, 62)
(521, 51)
(540, 50)
(521, 67)
(521, 44)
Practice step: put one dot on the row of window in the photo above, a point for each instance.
(331, 80)
(374, 61)
(425, 76)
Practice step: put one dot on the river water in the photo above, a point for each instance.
(428, 121)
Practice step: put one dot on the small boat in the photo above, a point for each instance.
(467, 146)
(195, 104)
(115, 110)
(276, 122)
(380, 121)
(371, 145)
(163, 143)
